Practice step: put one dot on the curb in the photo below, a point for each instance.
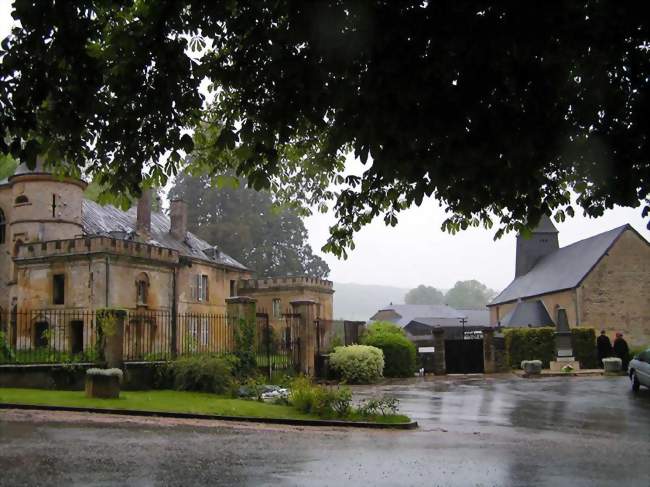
(560, 374)
(240, 419)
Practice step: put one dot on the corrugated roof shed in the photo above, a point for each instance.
(563, 269)
(108, 220)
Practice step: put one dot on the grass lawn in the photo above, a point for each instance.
(168, 401)
(172, 401)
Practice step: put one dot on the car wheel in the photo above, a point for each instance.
(635, 382)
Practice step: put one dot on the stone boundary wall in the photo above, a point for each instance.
(71, 377)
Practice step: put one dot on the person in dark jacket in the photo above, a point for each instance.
(621, 350)
(604, 346)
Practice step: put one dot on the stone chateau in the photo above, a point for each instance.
(59, 250)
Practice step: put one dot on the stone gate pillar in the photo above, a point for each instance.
(241, 308)
(308, 311)
(489, 354)
(439, 364)
(110, 324)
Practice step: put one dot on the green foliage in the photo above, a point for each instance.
(469, 295)
(634, 351)
(424, 295)
(380, 327)
(203, 373)
(244, 334)
(358, 364)
(270, 341)
(270, 240)
(6, 353)
(583, 342)
(8, 166)
(326, 402)
(400, 355)
(530, 344)
(302, 394)
(298, 87)
(385, 406)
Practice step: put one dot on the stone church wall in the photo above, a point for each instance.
(615, 296)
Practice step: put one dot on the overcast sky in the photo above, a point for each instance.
(416, 251)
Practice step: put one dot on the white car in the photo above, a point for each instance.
(639, 370)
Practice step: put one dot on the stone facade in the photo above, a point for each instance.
(614, 295)
(59, 251)
(275, 295)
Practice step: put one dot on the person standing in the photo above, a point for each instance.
(603, 346)
(621, 350)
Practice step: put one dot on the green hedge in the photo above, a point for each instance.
(530, 344)
(539, 344)
(583, 342)
(399, 353)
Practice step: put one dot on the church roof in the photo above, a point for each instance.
(545, 225)
(110, 221)
(527, 314)
(563, 269)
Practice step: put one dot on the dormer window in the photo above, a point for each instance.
(21, 200)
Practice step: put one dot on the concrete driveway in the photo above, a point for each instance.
(474, 431)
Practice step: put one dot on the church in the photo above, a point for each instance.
(602, 282)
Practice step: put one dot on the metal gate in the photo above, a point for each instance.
(464, 356)
(278, 346)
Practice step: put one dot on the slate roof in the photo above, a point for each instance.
(563, 269)
(476, 317)
(109, 221)
(441, 315)
(408, 312)
(527, 314)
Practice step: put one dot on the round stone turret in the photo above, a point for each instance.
(43, 206)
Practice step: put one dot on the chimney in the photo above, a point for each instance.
(178, 216)
(144, 212)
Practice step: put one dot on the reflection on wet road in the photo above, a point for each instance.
(474, 431)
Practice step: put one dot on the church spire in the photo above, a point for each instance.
(542, 242)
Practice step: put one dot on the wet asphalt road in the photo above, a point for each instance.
(473, 431)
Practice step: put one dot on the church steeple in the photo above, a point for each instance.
(542, 242)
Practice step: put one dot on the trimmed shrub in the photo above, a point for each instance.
(634, 351)
(583, 342)
(204, 373)
(530, 344)
(358, 364)
(383, 327)
(400, 355)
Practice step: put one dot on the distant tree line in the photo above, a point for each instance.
(470, 294)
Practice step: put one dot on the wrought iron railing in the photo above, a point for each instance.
(49, 336)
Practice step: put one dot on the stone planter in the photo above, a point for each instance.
(532, 367)
(612, 364)
(103, 383)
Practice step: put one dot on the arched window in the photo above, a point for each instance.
(22, 199)
(142, 289)
(2, 226)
